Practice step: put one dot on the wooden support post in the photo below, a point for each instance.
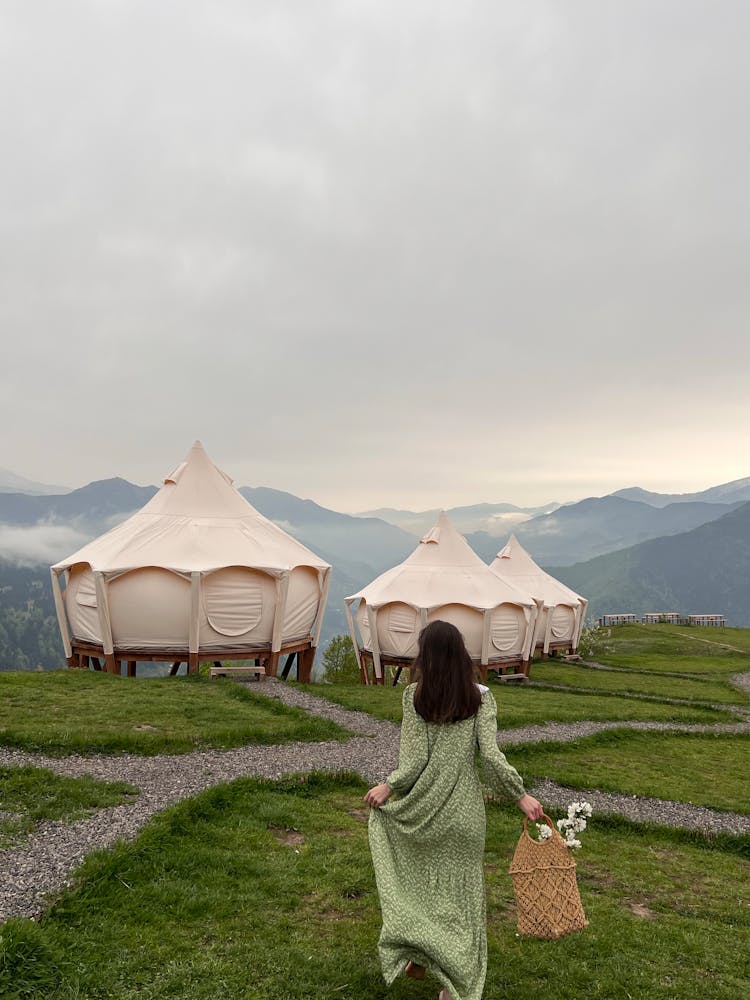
(111, 665)
(175, 667)
(364, 668)
(305, 660)
(288, 666)
(131, 668)
(72, 661)
(272, 664)
(193, 663)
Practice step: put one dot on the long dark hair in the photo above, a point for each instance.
(446, 691)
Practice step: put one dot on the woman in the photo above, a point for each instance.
(428, 843)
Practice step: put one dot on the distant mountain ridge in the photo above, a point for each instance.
(92, 504)
(591, 527)
(738, 491)
(493, 518)
(706, 570)
(11, 482)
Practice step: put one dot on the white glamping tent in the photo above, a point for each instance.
(198, 573)
(442, 579)
(561, 621)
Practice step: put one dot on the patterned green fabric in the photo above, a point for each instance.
(427, 846)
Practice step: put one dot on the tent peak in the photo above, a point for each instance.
(507, 550)
(433, 535)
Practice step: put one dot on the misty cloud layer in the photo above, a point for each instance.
(39, 543)
(377, 253)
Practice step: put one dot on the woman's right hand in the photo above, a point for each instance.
(378, 795)
(530, 807)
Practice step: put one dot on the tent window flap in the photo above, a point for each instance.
(402, 619)
(232, 609)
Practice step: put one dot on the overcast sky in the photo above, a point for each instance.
(377, 253)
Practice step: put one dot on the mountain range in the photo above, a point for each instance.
(11, 482)
(703, 571)
(633, 550)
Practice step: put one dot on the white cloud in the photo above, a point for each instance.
(40, 543)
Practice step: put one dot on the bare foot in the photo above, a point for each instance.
(445, 995)
(414, 971)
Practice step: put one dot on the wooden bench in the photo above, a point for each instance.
(222, 671)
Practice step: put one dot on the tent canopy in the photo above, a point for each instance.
(514, 564)
(443, 569)
(197, 522)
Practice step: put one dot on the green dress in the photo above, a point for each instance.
(427, 845)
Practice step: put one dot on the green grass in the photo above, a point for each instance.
(622, 682)
(31, 794)
(522, 706)
(260, 891)
(65, 712)
(673, 648)
(704, 769)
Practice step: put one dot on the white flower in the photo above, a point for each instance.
(573, 843)
(544, 831)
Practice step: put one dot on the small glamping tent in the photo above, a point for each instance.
(196, 574)
(563, 614)
(442, 579)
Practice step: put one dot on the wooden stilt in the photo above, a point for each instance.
(193, 663)
(288, 665)
(272, 664)
(364, 668)
(111, 665)
(175, 667)
(305, 660)
(131, 668)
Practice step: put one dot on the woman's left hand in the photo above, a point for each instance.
(531, 807)
(378, 795)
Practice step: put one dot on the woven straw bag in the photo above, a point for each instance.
(544, 881)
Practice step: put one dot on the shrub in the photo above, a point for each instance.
(340, 661)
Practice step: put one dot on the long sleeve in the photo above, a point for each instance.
(413, 749)
(499, 774)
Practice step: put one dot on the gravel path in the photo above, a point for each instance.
(40, 867)
(646, 810)
(741, 682)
